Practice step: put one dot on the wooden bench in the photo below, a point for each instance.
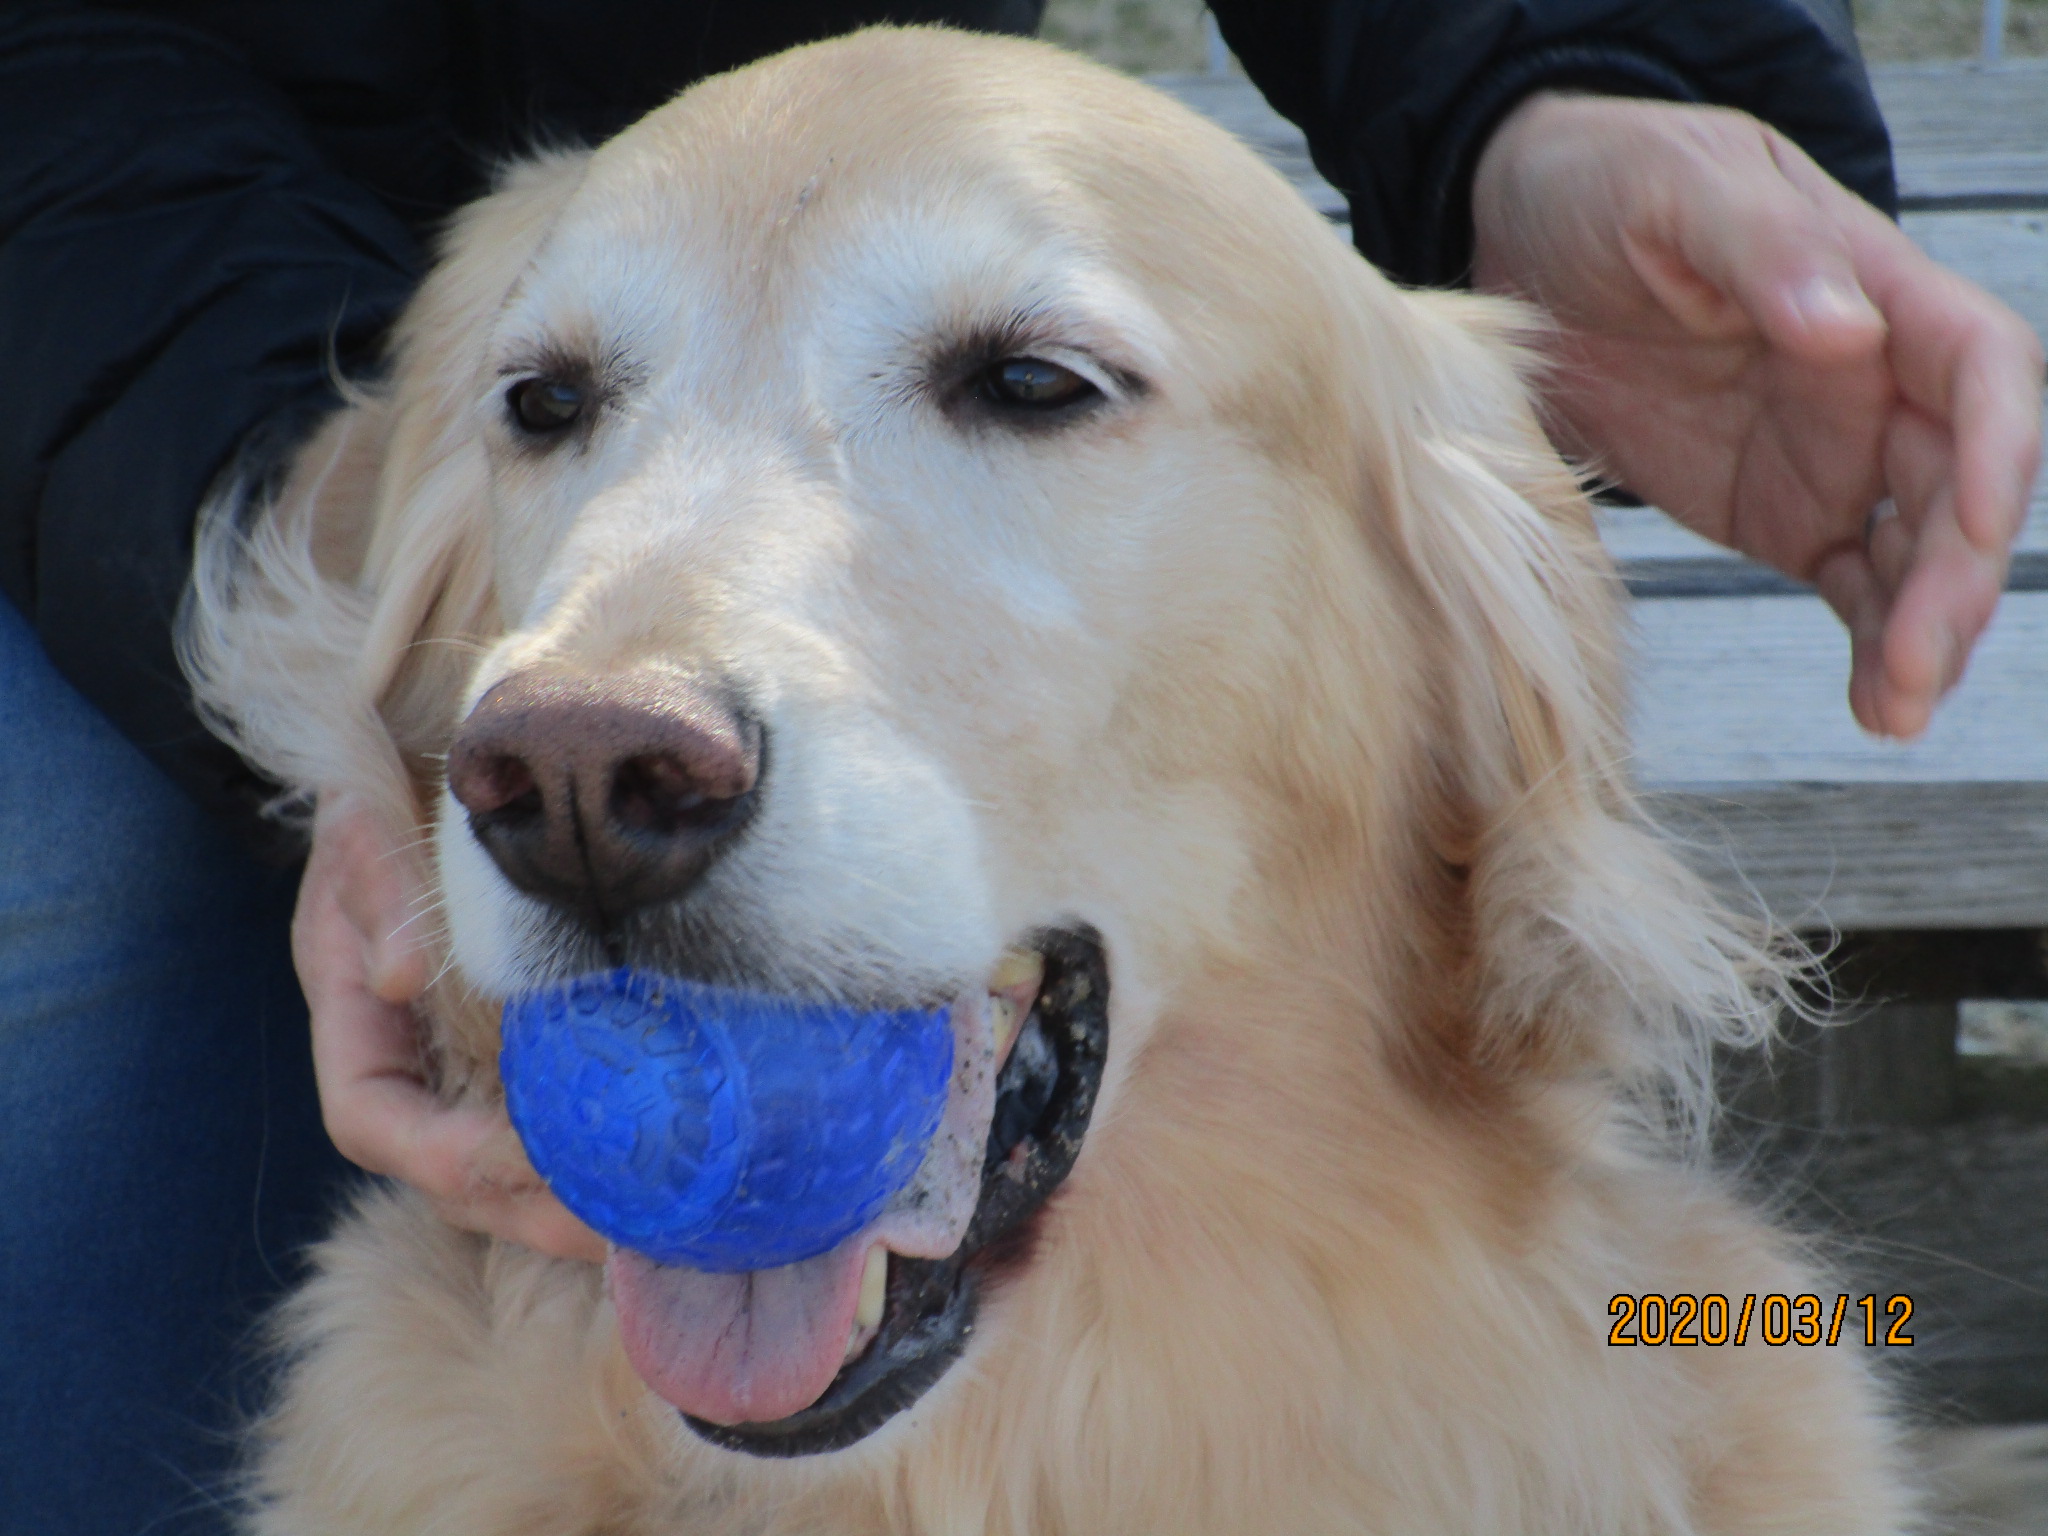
(1930, 859)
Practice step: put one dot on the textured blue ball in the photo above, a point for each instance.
(720, 1129)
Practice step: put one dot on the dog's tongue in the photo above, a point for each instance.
(744, 1348)
(748, 1348)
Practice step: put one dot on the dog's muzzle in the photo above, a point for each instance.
(1045, 1096)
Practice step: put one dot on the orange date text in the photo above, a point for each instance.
(1685, 1319)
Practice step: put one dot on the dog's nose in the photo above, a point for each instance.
(605, 794)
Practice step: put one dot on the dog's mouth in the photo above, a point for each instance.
(916, 1315)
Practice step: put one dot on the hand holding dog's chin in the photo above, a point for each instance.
(361, 967)
(1760, 353)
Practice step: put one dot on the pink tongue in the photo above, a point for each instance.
(738, 1349)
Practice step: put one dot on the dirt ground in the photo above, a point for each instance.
(1153, 35)
(1946, 29)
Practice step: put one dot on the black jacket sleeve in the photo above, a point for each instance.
(177, 267)
(1398, 97)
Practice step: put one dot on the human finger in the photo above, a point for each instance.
(376, 1093)
(367, 1054)
(502, 1195)
(1965, 359)
(1945, 595)
(1850, 587)
(381, 889)
(1755, 235)
(367, 1058)
(468, 1162)
(1888, 544)
(384, 1116)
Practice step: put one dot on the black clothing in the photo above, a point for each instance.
(202, 202)
(1398, 97)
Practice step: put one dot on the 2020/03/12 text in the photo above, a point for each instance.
(1712, 1319)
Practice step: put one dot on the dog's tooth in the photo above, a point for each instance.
(1002, 1015)
(1018, 968)
(874, 1290)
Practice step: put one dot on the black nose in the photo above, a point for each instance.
(605, 794)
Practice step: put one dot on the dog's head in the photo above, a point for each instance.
(925, 498)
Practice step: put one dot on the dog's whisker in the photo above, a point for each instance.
(410, 844)
(443, 972)
(422, 916)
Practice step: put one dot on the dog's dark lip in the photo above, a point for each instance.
(932, 1303)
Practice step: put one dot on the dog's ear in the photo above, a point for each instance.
(430, 552)
(329, 634)
(1591, 942)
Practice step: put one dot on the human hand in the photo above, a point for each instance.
(1766, 357)
(354, 939)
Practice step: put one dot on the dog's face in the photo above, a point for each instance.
(869, 500)
(925, 502)
(920, 444)
(874, 446)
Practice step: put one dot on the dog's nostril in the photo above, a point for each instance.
(493, 784)
(502, 788)
(658, 793)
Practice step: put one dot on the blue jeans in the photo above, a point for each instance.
(162, 1161)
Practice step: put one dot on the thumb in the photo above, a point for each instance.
(380, 888)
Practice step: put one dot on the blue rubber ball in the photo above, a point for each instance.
(720, 1129)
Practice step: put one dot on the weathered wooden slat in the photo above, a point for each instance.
(1749, 690)
(1736, 577)
(1644, 535)
(1659, 558)
(1744, 738)
(1965, 136)
(1872, 856)
(2004, 252)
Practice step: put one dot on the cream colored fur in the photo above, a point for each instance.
(1293, 671)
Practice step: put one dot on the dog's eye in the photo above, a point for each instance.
(546, 406)
(1033, 384)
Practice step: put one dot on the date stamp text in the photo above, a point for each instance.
(1775, 1319)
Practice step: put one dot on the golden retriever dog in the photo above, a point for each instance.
(927, 517)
